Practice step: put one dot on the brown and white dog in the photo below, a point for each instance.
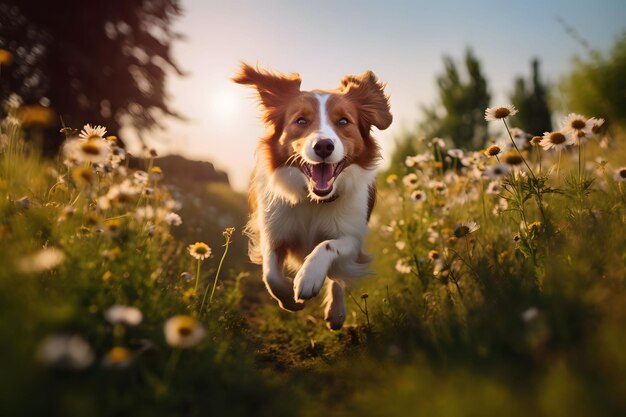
(313, 188)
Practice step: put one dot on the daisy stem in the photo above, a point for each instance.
(171, 366)
(518, 151)
(195, 289)
(217, 275)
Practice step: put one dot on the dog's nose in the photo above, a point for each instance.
(323, 148)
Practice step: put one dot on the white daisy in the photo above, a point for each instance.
(465, 228)
(40, 261)
(410, 180)
(92, 132)
(69, 352)
(554, 140)
(575, 126)
(120, 314)
(496, 171)
(497, 113)
(456, 153)
(418, 196)
(494, 188)
(183, 331)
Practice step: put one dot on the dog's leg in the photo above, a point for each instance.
(279, 286)
(310, 277)
(335, 311)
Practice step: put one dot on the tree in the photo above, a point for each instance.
(596, 86)
(532, 104)
(103, 62)
(459, 115)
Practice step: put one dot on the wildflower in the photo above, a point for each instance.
(391, 179)
(189, 294)
(402, 267)
(620, 174)
(199, 250)
(70, 352)
(364, 296)
(456, 153)
(438, 142)
(183, 331)
(228, 232)
(418, 196)
(595, 125)
(144, 213)
(103, 203)
(512, 159)
(119, 314)
(493, 150)
(83, 176)
(186, 276)
(534, 226)
(494, 187)
(530, 314)
(536, 140)
(140, 177)
(438, 186)
(112, 227)
(123, 193)
(496, 171)
(410, 180)
(520, 138)
(439, 267)
(434, 255)
(400, 244)
(172, 219)
(554, 140)
(576, 127)
(156, 173)
(465, 228)
(118, 357)
(496, 113)
(92, 132)
(43, 260)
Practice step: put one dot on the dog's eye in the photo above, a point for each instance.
(301, 121)
(343, 121)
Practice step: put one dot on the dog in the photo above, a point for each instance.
(313, 187)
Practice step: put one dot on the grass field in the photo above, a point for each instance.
(499, 290)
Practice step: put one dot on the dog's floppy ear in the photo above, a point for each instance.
(369, 94)
(274, 89)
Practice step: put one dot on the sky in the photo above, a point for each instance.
(403, 42)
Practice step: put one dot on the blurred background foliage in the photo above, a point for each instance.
(65, 64)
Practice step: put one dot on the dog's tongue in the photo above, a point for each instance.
(321, 175)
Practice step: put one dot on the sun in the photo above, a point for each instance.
(223, 103)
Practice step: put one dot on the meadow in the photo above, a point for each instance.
(499, 287)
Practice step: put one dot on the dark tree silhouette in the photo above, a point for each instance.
(102, 62)
(532, 103)
(459, 115)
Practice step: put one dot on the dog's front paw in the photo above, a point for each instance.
(291, 305)
(309, 281)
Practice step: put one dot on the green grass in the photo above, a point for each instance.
(494, 326)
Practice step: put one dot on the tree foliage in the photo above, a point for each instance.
(459, 115)
(102, 62)
(597, 85)
(531, 100)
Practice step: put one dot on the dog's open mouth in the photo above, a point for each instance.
(322, 176)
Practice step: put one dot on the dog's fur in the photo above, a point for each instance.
(313, 188)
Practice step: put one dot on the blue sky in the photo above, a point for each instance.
(403, 42)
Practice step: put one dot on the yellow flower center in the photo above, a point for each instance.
(184, 330)
(513, 159)
(535, 140)
(461, 231)
(578, 124)
(200, 250)
(118, 354)
(493, 150)
(90, 148)
(622, 173)
(557, 138)
(502, 112)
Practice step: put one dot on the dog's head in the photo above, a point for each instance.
(319, 132)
